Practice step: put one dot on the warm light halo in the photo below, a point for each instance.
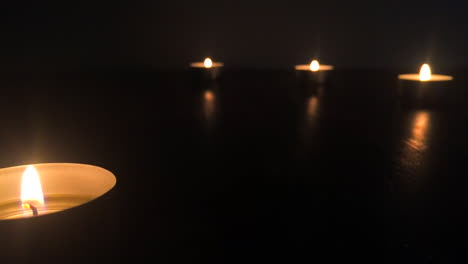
(314, 65)
(425, 73)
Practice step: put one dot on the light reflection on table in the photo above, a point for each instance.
(415, 144)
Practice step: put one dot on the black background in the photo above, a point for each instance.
(64, 35)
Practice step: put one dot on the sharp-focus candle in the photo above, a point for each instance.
(40, 189)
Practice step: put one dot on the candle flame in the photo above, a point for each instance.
(314, 65)
(425, 73)
(208, 63)
(31, 189)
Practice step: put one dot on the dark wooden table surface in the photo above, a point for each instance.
(258, 166)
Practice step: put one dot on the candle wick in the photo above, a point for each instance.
(33, 209)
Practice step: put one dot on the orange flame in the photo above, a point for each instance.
(31, 189)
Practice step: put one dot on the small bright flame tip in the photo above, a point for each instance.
(208, 63)
(425, 73)
(314, 65)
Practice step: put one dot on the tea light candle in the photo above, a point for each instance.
(314, 66)
(425, 75)
(39, 189)
(207, 64)
(424, 89)
(316, 70)
(208, 67)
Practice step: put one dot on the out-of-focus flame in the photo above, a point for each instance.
(425, 73)
(314, 65)
(31, 189)
(208, 63)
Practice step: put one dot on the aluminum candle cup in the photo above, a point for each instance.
(423, 89)
(315, 71)
(208, 69)
(40, 189)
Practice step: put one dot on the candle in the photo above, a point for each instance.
(314, 66)
(209, 68)
(425, 75)
(424, 89)
(34, 190)
(207, 64)
(317, 70)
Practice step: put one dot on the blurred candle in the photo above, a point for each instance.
(314, 66)
(317, 70)
(210, 68)
(208, 63)
(425, 75)
(423, 89)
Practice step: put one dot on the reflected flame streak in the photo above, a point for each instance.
(209, 104)
(417, 141)
(311, 113)
(312, 107)
(416, 144)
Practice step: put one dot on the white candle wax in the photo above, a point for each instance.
(64, 185)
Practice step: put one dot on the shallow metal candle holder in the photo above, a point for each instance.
(64, 185)
(320, 76)
(422, 94)
(204, 73)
